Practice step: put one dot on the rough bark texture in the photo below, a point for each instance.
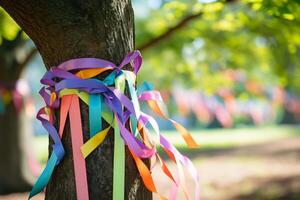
(69, 29)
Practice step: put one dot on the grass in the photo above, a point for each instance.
(207, 139)
(223, 138)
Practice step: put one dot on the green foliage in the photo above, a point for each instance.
(259, 37)
(8, 27)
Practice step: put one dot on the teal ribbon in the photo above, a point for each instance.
(95, 106)
(45, 176)
(133, 123)
(145, 86)
(134, 99)
(95, 113)
(2, 107)
(110, 79)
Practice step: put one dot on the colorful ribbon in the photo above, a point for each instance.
(107, 101)
(8, 94)
(2, 105)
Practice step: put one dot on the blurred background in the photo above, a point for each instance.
(229, 71)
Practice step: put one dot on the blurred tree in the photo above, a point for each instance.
(69, 29)
(15, 53)
(198, 40)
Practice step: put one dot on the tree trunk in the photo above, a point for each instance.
(13, 168)
(15, 173)
(69, 29)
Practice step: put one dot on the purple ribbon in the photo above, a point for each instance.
(60, 77)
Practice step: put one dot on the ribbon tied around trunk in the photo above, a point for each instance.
(75, 80)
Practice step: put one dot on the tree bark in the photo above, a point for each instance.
(69, 29)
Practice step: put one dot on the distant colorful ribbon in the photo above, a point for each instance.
(10, 94)
(106, 100)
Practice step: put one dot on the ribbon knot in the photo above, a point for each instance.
(74, 80)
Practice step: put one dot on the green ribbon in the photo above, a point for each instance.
(119, 152)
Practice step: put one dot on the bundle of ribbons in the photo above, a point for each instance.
(76, 80)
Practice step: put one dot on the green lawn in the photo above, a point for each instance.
(222, 138)
(208, 139)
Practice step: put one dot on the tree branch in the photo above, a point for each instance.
(169, 32)
(181, 24)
